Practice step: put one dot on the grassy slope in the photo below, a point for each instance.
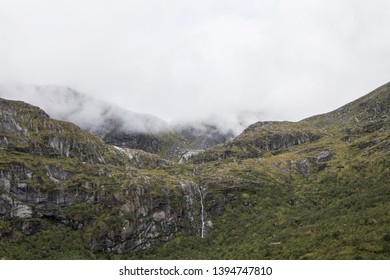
(338, 211)
(332, 214)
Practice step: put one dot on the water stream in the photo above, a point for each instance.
(202, 214)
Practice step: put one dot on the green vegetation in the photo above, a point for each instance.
(315, 189)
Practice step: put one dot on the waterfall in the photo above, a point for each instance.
(202, 215)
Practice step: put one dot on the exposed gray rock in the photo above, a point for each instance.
(303, 168)
(159, 216)
(56, 174)
(188, 154)
(8, 123)
(366, 153)
(325, 155)
(131, 140)
(31, 227)
(154, 218)
(20, 210)
(60, 145)
(3, 140)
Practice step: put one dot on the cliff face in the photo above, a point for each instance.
(133, 216)
(167, 144)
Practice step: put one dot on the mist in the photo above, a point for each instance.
(232, 62)
(100, 117)
(84, 110)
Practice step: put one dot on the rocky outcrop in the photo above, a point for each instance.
(284, 140)
(148, 143)
(144, 219)
(166, 144)
(140, 213)
(303, 168)
(260, 138)
(189, 154)
(28, 129)
(139, 216)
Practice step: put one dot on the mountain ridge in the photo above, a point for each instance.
(118, 126)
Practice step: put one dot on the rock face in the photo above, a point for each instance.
(268, 136)
(189, 154)
(139, 217)
(260, 138)
(164, 142)
(144, 219)
(148, 143)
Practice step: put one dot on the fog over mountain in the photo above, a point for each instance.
(96, 115)
(315, 189)
(89, 113)
(208, 130)
(187, 60)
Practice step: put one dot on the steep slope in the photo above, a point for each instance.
(28, 129)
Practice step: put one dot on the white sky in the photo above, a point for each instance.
(182, 59)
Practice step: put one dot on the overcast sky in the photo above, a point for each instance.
(177, 59)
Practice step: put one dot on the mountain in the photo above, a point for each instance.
(57, 178)
(353, 121)
(85, 111)
(202, 136)
(118, 126)
(314, 189)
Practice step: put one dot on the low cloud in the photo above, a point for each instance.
(100, 116)
(89, 113)
(188, 60)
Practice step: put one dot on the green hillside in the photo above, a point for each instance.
(314, 189)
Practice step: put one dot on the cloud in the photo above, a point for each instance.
(89, 113)
(186, 60)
